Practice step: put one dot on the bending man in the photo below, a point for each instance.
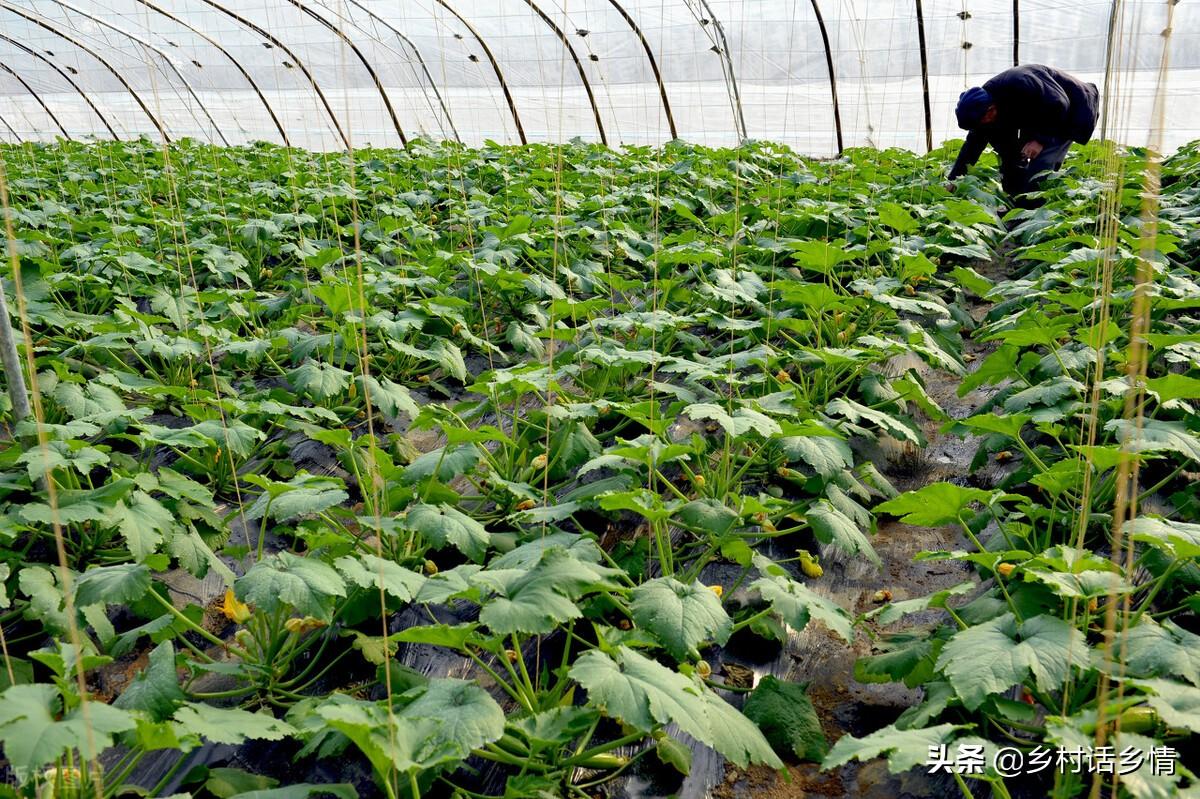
(1030, 115)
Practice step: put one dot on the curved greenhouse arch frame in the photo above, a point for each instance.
(237, 64)
(416, 51)
(387, 103)
(137, 98)
(166, 57)
(37, 98)
(70, 81)
(491, 57)
(337, 126)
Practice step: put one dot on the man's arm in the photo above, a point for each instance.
(972, 148)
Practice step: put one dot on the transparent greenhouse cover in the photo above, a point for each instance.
(323, 74)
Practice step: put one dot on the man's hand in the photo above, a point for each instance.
(1031, 150)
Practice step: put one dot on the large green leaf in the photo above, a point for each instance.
(826, 455)
(468, 714)
(786, 716)
(286, 580)
(647, 695)
(820, 256)
(319, 380)
(1177, 703)
(904, 749)
(112, 585)
(392, 399)
(230, 725)
(680, 616)
(370, 571)
(708, 515)
(536, 599)
(156, 688)
(796, 603)
(143, 523)
(1177, 539)
(992, 657)
(444, 525)
(934, 505)
(444, 464)
(302, 495)
(1161, 650)
(896, 426)
(737, 424)
(35, 731)
(440, 728)
(82, 505)
(831, 526)
(1156, 435)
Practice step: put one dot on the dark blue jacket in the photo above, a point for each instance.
(1034, 103)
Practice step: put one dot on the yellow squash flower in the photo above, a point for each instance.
(235, 610)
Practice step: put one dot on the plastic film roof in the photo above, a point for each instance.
(324, 74)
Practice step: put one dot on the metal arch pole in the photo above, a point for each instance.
(924, 76)
(837, 110)
(299, 63)
(30, 51)
(420, 60)
(737, 95)
(1016, 33)
(587, 85)
(158, 125)
(234, 61)
(662, 88)
(16, 136)
(38, 98)
(387, 103)
(161, 53)
(487, 51)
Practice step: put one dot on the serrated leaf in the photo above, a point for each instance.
(827, 456)
(934, 505)
(904, 748)
(392, 399)
(1178, 704)
(787, 718)
(444, 525)
(856, 412)
(230, 725)
(441, 727)
(680, 616)
(156, 689)
(1156, 435)
(143, 523)
(370, 571)
(991, 657)
(304, 584)
(35, 732)
(708, 515)
(796, 603)
(831, 526)
(445, 464)
(645, 695)
(112, 585)
(737, 424)
(536, 599)
(319, 380)
(1161, 650)
(895, 611)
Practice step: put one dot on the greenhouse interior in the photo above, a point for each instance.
(600, 399)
